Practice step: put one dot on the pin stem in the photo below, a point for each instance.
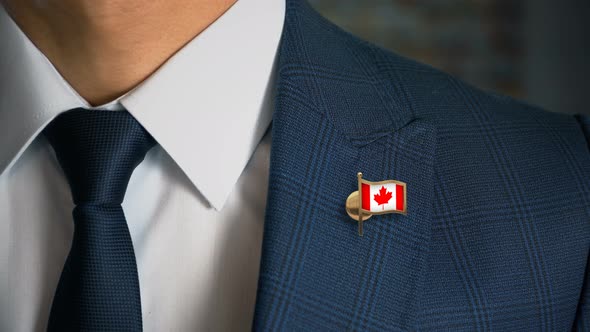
(360, 179)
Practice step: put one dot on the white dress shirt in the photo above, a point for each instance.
(195, 205)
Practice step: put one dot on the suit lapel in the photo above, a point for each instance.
(335, 116)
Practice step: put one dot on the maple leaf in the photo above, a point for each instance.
(383, 196)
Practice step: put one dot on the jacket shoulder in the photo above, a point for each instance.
(433, 93)
(348, 78)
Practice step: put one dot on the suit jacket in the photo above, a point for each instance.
(497, 233)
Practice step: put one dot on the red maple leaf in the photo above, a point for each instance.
(383, 196)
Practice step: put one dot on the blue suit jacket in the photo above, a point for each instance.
(497, 233)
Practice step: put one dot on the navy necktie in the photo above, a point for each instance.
(99, 288)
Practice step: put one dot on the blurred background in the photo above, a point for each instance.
(536, 50)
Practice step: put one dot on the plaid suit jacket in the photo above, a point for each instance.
(497, 233)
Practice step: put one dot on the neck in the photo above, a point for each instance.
(104, 48)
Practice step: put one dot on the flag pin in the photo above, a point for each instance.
(373, 198)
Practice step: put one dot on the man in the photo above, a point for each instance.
(235, 169)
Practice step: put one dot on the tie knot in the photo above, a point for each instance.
(98, 151)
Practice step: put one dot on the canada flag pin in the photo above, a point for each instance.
(375, 198)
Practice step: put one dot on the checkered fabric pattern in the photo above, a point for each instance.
(99, 288)
(497, 233)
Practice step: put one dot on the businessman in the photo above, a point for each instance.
(183, 165)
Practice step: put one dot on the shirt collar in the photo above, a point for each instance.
(208, 106)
